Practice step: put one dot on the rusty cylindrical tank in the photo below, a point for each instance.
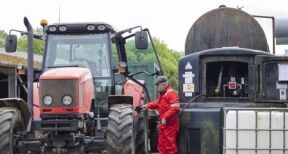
(225, 27)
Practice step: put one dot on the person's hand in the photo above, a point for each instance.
(144, 107)
(163, 121)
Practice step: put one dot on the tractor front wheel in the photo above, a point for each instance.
(120, 130)
(8, 125)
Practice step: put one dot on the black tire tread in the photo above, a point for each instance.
(8, 119)
(140, 138)
(119, 133)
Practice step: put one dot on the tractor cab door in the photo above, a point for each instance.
(140, 58)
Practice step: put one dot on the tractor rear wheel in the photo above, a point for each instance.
(120, 130)
(8, 125)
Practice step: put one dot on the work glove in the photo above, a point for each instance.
(140, 109)
(144, 107)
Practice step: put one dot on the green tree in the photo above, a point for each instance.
(38, 44)
(168, 58)
(169, 61)
(3, 35)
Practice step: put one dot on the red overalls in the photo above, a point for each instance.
(168, 106)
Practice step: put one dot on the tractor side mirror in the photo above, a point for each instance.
(11, 43)
(141, 40)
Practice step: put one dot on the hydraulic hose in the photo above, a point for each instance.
(139, 110)
(181, 111)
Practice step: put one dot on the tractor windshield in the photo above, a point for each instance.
(89, 50)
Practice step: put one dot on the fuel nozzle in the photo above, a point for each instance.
(138, 109)
(141, 109)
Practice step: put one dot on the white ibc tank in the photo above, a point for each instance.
(246, 131)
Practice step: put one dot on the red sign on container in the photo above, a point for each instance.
(232, 85)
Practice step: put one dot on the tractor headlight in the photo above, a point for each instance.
(90, 27)
(67, 100)
(47, 100)
(52, 28)
(101, 27)
(62, 28)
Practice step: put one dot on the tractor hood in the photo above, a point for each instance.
(58, 83)
(66, 73)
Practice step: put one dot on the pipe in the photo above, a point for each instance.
(273, 28)
(182, 110)
(30, 69)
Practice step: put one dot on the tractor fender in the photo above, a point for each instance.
(131, 88)
(19, 104)
(119, 99)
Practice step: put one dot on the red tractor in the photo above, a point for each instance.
(84, 97)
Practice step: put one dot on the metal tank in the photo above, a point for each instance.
(225, 27)
(228, 78)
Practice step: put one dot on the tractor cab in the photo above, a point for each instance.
(85, 46)
(90, 51)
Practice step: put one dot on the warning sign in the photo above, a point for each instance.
(188, 66)
(188, 85)
(188, 88)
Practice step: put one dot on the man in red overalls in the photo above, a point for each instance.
(168, 105)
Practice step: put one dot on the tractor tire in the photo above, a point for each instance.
(8, 125)
(120, 129)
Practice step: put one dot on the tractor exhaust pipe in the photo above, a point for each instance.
(30, 69)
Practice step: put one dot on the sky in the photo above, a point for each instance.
(168, 20)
